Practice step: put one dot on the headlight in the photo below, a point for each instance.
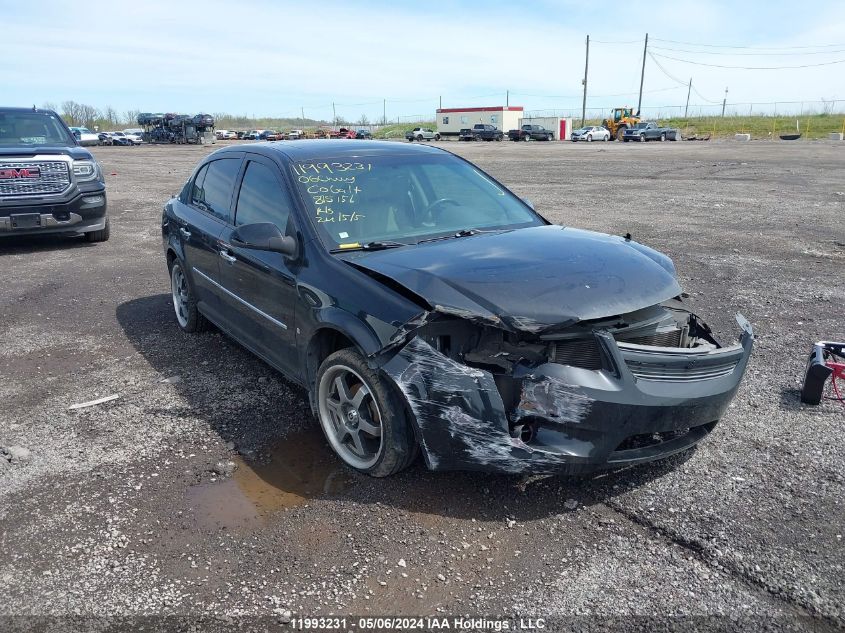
(85, 170)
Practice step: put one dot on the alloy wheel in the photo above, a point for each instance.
(181, 294)
(350, 417)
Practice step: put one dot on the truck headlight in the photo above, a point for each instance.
(85, 170)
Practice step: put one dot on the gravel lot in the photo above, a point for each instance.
(132, 508)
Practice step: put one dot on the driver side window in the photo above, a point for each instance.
(262, 198)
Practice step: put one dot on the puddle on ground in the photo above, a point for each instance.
(301, 467)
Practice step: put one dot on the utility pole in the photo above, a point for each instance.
(507, 98)
(586, 66)
(441, 102)
(686, 107)
(642, 76)
(302, 112)
(384, 112)
(334, 115)
(724, 102)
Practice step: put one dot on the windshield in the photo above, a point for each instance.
(32, 128)
(404, 199)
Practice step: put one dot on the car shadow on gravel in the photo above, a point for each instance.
(240, 397)
(39, 243)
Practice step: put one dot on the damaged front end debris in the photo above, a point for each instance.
(562, 398)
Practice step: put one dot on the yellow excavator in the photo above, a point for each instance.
(622, 118)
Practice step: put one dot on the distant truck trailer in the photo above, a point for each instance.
(450, 121)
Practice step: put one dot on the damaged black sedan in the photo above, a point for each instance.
(428, 309)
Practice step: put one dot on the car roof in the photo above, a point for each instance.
(30, 110)
(323, 148)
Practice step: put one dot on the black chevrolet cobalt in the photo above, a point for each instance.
(426, 308)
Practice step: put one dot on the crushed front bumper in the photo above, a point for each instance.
(654, 403)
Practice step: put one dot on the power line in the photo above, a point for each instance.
(616, 41)
(666, 72)
(675, 79)
(685, 50)
(689, 61)
(759, 48)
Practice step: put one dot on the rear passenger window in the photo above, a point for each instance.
(213, 186)
(261, 198)
(196, 190)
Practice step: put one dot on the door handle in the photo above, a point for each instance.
(185, 233)
(229, 258)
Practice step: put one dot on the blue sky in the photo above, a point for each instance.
(273, 58)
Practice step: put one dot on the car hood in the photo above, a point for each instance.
(529, 279)
(74, 151)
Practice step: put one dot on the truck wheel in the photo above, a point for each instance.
(436, 137)
(419, 138)
(99, 236)
(620, 134)
(663, 137)
(527, 137)
(498, 138)
(642, 138)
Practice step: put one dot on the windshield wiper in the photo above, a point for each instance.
(369, 246)
(461, 233)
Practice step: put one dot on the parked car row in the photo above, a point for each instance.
(641, 132)
(127, 138)
(291, 135)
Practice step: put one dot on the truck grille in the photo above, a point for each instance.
(54, 178)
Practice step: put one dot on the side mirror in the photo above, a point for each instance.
(529, 203)
(264, 236)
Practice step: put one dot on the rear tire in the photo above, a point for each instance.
(663, 137)
(363, 417)
(436, 137)
(188, 317)
(99, 236)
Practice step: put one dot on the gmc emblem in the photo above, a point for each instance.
(17, 174)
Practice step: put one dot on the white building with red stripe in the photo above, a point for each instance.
(450, 121)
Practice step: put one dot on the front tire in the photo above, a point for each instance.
(362, 416)
(663, 137)
(188, 316)
(589, 138)
(99, 236)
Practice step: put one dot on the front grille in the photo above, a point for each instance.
(585, 352)
(54, 178)
(582, 353)
(663, 373)
(672, 338)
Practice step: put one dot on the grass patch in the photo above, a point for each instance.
(759, 127)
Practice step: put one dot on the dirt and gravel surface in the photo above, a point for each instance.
(205, 489)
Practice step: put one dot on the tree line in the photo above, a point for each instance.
(84, 115)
